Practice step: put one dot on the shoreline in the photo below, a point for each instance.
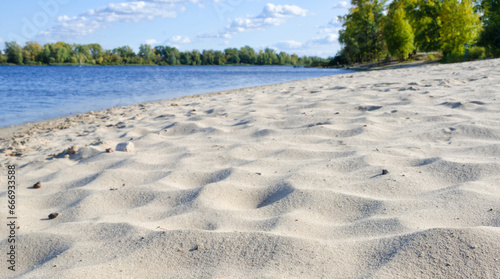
(31, 128)
(151, 102)
(156, 86)
(377, 174)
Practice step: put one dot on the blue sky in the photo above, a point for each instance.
(301, 27)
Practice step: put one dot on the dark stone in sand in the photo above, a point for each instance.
(37, 185)
(109, 150)
(53, 215)
(384, 172)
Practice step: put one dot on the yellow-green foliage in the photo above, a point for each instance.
(361, 36)
(398, 32)
(423, 17)
(459, 26)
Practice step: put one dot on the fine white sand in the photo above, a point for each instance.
(279, 181)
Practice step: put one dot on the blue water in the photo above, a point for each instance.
(30, 94)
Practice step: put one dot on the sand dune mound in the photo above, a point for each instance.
(381, 174)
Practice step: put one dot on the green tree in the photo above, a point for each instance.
(146, 52)
(247, 55)
(81, 54)
(262, 57)
(423, 16)
(126, 53)
(3, 58)
(95, 51)
(219, 58)
(34, 52)
(173, 56)
(57, 53)
(232, 56)
(46, 53)
(161, 54)
(398, 32)
(284, 58)
(14, 53)
(196, 57)
(208, 57)
(490, 35)
(185, 58)
(361, 37)
(459, 25)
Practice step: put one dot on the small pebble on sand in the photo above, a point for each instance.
(126, 147)
(53, 215)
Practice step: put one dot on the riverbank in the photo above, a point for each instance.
(42, 93)
(381, 174)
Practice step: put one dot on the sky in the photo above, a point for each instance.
(302, 27)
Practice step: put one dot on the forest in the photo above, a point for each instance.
(456, 29)
(62, 53)
(372, 30)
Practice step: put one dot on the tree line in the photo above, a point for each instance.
(372, 30)
(93, 54)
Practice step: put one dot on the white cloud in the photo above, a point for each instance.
(271, 15)
(287, 45)
(335, 22)
(277, 11)
(131, 11)
(341, 5)
(152, 42)
(180, 39)
(326, 40)
(214, 35)
(329, 30)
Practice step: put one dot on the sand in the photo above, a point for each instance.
(278, 181)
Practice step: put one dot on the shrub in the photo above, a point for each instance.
(452, 58)
(476, 53)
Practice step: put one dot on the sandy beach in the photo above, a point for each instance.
(377, 174)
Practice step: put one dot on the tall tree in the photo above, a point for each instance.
(219, 58)
(232, 56)
(423, 16)
(81, 54)
(14, 53)
(173, 56)
(196, 57)
(146, 52)
(398, 32)
(125, 52)
(490, 35)
(459, 25)
(34, 50)
(208, 57)
(284, 58)
(247, 55)
(185, 58)
(95, 51)
(361, 37)
(60, 52)
(3, 58)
